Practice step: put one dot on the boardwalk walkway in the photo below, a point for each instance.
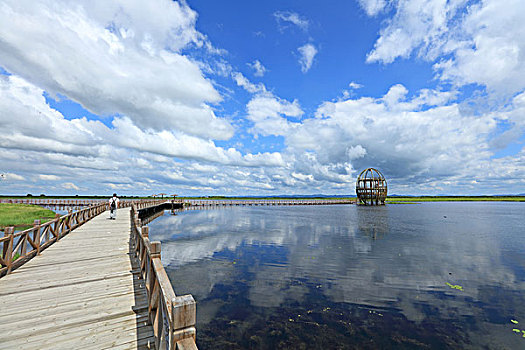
(82, 292)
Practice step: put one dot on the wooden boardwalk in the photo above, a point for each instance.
(265, 202)
(82, 292)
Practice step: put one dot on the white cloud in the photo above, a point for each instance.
(477, 43)
(13, 177)
(417, 24)
(308, 52)
(70, 186)
(291, 17)
(425, 139)
(47, 177)
(491, 48)
(269, 114)
(167, 143)
(258, 68)
(243, 82)
(354, 85)
(127, 58)
(410, 139)
(123, 57)
(514, 118)
(372, 7)
(89, 152)
(395, 95)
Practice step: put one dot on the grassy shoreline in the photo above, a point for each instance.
(22, 214)
(457, 199)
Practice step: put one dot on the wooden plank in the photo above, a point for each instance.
(97, 337)
(47, 303)
(141, 344)
(57, 284)
(43, 273)
(69, 292)
(96, 326)
(61, 312)
(186, 344)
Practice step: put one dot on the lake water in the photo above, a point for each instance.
(430, 275)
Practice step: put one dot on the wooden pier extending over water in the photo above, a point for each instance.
(99, 284)
(256, 202)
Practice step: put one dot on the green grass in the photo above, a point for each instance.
(455, 199)
(22, 214)
(400, 202)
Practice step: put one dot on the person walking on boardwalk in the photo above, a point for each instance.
(113, 205)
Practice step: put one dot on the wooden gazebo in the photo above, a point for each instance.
(371, 187)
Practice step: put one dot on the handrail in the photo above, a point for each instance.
(258, 202)
(173, 318)
(19, 247)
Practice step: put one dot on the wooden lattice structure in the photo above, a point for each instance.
(371, 187)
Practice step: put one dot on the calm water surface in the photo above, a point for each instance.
(338, 277)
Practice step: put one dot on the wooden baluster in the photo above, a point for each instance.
(156, 315)
(23, 244)
(66, 226)
(143, 254)
(56, 227)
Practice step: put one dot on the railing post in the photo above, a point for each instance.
(8, 248)
(155, 250)
(183, 318)
(145, 231)
(36, 235)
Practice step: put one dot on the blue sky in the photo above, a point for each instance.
(274, 97)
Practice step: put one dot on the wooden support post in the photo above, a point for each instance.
(155, 250)
(8, 248)
(36, 235)
(186, 344)
(184, 312)
(183, 317)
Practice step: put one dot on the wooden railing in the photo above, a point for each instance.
(19, 247)
(144, 204)
(16, 248)
(152, 217)
(173, 318)
(72, 202)
(52, 202)
(255, 202)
